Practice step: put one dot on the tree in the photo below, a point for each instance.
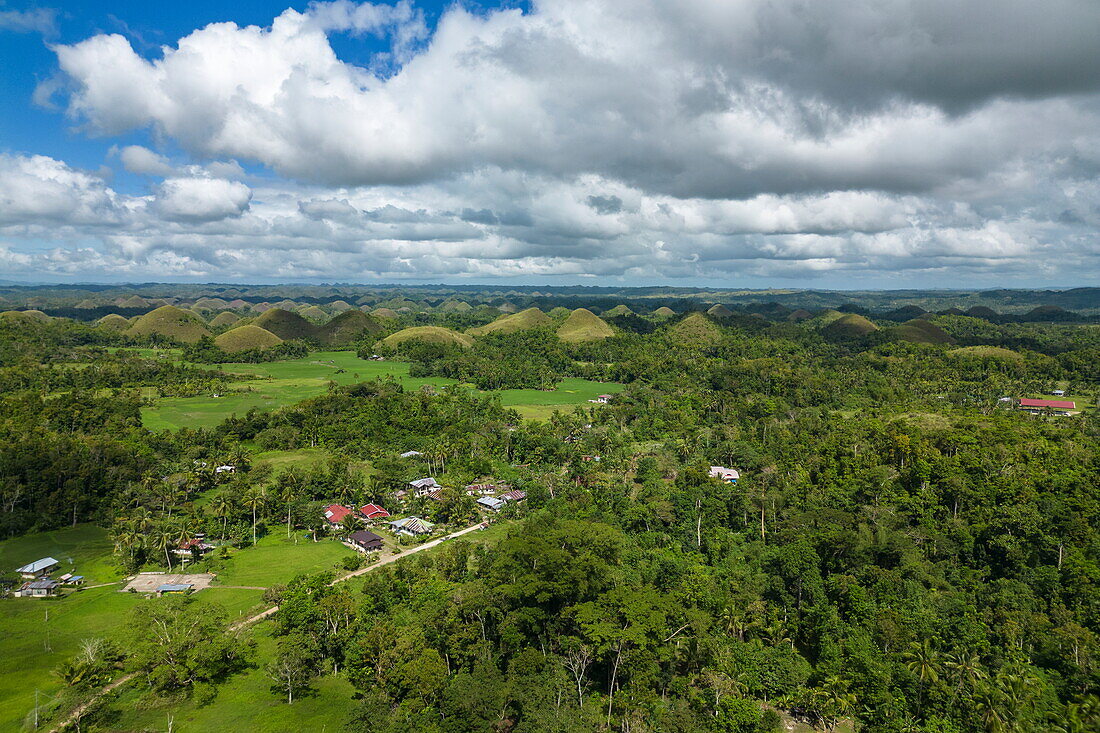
(294, 666)
(176, 643)
(254, 499)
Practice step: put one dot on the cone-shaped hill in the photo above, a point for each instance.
(340, 306)
(664, 312)
(247, 337)
(313, 313)
(696, 330)
(31, 316)
(286, 325)
(849, 326)
(347, 328)
(986, 352)
(172, 322)
(429, 334)
(619, 310)
(384, 313)
(800, 315)
(522, 321)
(919, 331)
(455, 306)
(225, 318)
(719, 311)
(113, 322)
(584, 325)
(981, 311)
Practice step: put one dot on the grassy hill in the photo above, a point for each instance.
(919, 331)
(849, 326)
(619, 310)
(113, 322)
(225, 318)
(247, 337)
(313, 313)
(584, 325)
(384, 313)
(429, 334)
(987, 352)
(695, 330)
(664, 312)
(455, 306)
(522, 321)
(286, 325)
(172, 322)
(340, 306)
(799, 315)
(347, 328)
(719, 311)
(981, 311)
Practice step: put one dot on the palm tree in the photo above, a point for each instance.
(254, 498)
(923, 661)
(160, 539)
(966, 668)
(221, 507)
(128, 537)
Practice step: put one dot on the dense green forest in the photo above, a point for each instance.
(904, 549)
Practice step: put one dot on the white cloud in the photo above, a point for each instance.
(201, 199)
(35, 20)
(143, 161)
(768, 138)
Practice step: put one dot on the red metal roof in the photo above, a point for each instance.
(1054, 404)
(373, 511)
(336, 514)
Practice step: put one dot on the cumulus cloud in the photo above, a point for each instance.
(201, 199)
(143, 161)
(606, 138)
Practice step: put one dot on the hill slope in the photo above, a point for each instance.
(247, 337)
(850, 325)
(172, 322)
(523, 321)
(584, 325)
(286, 325)
(429, 334)
(696, 330)
(347, 328)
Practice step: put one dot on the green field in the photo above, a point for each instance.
(282, 383)
(246, 702)
(32, 647)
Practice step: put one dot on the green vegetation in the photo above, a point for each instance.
(719, 311)
(429, 334)
(584, 325)
(170, 322)
(113, 322)
(522, 321)
(903, 548)
(347, 328)
(244, 338)
(285, 324)
(225, 318)
(664, 312)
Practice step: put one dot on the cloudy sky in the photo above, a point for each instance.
(755, 143)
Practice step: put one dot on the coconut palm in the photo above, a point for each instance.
(965, 668)
(923, 661)
(221, 507)
(255, 498)
(160, 540)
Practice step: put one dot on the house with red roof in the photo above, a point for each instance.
(1040, 407)
(514, 495)
(336, 515)
(373, 511)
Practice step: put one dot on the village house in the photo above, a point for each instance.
(411, 454)
(189, 549)
(225, 469)
(370, 512)
(70, 579)
(491, 503)
(424, 486)
(483, 489)
(337, 515)
(729, 475)
(39, 588)
(412, 526)
(365, 541)
(603, 399)
(38, 568)
(514, 495)
(1045, 407)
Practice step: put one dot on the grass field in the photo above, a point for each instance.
(276, 559)
(246, 702)
(282, 383)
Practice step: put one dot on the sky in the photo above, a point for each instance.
(743, 143)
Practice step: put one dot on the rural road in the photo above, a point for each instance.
(362, 571)
(83, 707)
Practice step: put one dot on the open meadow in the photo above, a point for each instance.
(282, 383)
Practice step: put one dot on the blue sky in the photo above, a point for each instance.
(915, 143)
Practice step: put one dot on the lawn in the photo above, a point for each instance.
(276, 559)
(281, 383)
(246, 702)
